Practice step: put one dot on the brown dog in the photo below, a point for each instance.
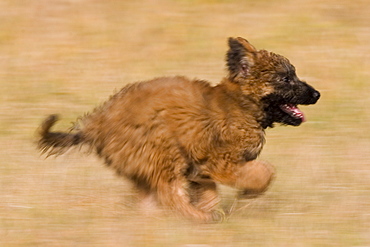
(176, 138)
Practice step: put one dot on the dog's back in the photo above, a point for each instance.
(141, 128)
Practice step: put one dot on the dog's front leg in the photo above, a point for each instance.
(252, 178)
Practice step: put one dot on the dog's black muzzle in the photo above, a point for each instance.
(312, 96)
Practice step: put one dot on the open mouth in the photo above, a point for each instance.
(293, 111)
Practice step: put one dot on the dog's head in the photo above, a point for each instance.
(271, 80)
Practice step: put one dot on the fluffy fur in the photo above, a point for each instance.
(175, 138)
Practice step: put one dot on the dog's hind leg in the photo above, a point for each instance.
(174, 194)
(204, 195)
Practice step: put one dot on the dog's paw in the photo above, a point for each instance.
(218, 216)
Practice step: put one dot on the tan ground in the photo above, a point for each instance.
(68, 56)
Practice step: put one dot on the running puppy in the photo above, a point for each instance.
(175, 138)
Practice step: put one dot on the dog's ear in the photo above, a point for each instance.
(248, 46)
(240, 57)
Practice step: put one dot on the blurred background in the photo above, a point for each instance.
(68, 56)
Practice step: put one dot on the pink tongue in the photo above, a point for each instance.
(293, 111)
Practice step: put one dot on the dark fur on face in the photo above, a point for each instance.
(271, 79)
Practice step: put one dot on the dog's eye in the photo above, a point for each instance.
(285, 79)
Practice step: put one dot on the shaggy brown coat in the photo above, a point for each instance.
(175, 138)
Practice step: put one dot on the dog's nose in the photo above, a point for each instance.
(316, 95)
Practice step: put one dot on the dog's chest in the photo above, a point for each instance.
(248, 141)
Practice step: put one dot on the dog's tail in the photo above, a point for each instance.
(54, 143)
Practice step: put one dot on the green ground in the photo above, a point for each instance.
(66, 57)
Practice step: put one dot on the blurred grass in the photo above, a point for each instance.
(68, 56)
